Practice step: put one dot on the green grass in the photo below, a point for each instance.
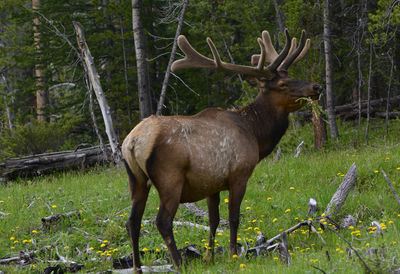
(276, 199)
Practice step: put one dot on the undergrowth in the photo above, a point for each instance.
(276, 199)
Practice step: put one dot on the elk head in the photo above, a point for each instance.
(272, 80)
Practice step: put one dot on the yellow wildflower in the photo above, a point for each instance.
(287, 210)
(54, 206)
(242, 265)
(234, 256)
(12, 238)
(144, 249)
(34, 231)
(269, 198)
(274, 220)
(226, 200)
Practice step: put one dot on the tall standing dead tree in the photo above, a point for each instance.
(171, 58)
(41, 97)
(101, 98)
(330, 107)
(145, 106)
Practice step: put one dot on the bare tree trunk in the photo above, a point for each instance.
(145, 106)
(360, 35)
(360, 79)
(41, 98)
(329, 74)
(93, 116)
(125, 71)
(8, 111)
(279, 17)
(101, 98)
(171, 59)
(388, 94)
(369, 93)
(319, 130)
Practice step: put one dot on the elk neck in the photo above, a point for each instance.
(267, 122)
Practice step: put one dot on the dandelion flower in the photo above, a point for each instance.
(287, 210)
(102, 245)
(269, 198)
(248, 207)
(144, 249)
(12, 247)
(219, 234)
(66, 247)
(376, 171)
(34, 231)
(226, 200)
(234, 256)
(274, 220)
(291, 188)
(242, 265)
(276, 258)
(1, 201)
(12, 238)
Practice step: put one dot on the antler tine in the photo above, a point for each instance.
(304, 51)
(262, 58)
(291, 58)
(192, 57)
(278, 60)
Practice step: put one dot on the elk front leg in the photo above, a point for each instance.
(133, 225)
(213, 215)
(236, 193)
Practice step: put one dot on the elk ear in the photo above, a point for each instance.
(252, 80)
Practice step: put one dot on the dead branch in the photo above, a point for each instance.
(283, 249)
(312, 207)
(298, 149)
(198, 212)
(351, 247)
(193, 225)
(341, 193)
(24, 257)
(391, 187)
(56, 218)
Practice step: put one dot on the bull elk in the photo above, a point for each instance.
(189, 158)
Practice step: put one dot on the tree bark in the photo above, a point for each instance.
(145, 106)
(41, 98)
(341, 193)
(388, 95)
(171, 59)
(101, 98)
(369, 93)
(330, 108)
(7, 108)
(320, 135)
(279, 17)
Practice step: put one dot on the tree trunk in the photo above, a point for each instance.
(329, 74)
(369, 93)
(101, 98)
(145, 106)
(319, 130)
(171, 59)
(41, 98)
(279, 17)
(388, 95)
(7, 108)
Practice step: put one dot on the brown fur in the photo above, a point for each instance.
(189, 158)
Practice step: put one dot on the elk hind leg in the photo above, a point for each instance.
(213, 215)
(170, 196)
(139, 192)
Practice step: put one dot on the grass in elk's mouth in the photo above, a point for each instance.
(276, 199)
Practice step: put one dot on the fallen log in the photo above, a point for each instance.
(350, 111)
(39, 164)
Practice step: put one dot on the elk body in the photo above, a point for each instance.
(189, 158)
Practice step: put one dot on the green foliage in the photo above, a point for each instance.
(35, 137)
(276, 199)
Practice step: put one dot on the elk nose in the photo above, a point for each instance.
(317, 88)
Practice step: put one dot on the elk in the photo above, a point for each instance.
(189, 158)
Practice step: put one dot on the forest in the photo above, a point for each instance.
(77, 75)
(46, 90)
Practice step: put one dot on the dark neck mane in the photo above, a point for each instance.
(266, 122)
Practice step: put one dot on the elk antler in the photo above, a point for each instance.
(295, 53)
(193, 59)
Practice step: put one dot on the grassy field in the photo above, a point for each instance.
(276, 199)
